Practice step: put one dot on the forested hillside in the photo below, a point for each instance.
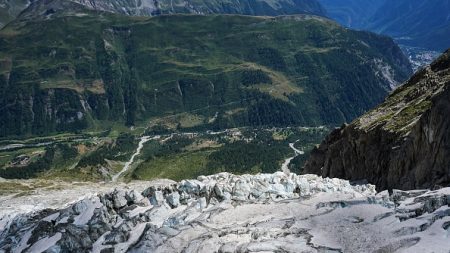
(86, 68)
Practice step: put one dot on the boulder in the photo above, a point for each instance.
(173, 199)
(119, 199)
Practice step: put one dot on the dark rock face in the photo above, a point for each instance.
(404, 143)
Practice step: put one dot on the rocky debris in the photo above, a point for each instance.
(20, 160)
(402, 144)
(228, 213)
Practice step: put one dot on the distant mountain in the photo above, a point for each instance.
(246, 7)
(403, 143)
(85, 67)
(417, 23)
(352, 13)
(9, 9)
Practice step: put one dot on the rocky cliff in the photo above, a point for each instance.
(404, 143)
(227, 213)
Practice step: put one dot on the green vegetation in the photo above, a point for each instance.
(120, 150)
(29, 163)
(86, 79)
(69, 157)
(239, 152)
(241, 157)
(86, 72)
(406, 115)
(173, 166)
(407, 104)
(32, 169)
(175, 155)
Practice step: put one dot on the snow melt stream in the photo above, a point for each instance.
(285, 165)
(143, 140)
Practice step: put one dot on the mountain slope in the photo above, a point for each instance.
(227, 70)
(417, 23)
(403, 143)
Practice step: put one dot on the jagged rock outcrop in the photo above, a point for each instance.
(249, 213)
(404, 143)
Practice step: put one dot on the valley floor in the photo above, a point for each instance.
(419, 57)
(149, 154)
